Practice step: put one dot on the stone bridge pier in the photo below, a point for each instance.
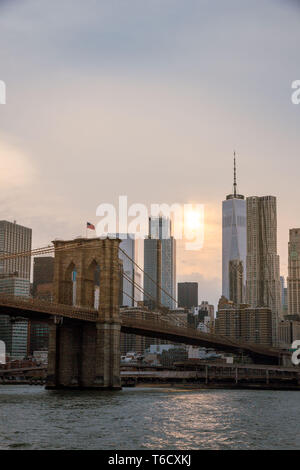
(86, 355)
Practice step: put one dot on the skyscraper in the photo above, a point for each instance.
(293, 280)
(187, 294)
(263, 278)
(160, 263)
(15, 238)
(15, 280)
(236, 281)
(284, 297)
(130, 292)
(234, 233)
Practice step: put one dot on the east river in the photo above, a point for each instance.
(148, 418)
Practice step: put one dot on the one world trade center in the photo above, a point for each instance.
(234, 238)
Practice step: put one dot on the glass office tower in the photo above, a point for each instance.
(15, 280)
(234, 235)
(160, 263)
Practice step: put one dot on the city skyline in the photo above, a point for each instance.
(149, 228)
(103, 101)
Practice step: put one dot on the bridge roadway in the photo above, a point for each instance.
(139, 322)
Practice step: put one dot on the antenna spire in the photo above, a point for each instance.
(234, 175)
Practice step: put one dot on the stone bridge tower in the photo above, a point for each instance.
(86, 355)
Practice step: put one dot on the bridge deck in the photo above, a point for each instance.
(21, 306)
(152, 325)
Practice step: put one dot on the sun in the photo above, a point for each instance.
(192, 220)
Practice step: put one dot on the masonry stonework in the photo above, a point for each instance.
(81, 354)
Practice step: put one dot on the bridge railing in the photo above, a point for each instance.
(144, 319)
(137, 316)
(28, 303)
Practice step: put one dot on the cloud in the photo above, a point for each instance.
(16, 168)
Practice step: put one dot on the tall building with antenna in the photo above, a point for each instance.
(234, 235)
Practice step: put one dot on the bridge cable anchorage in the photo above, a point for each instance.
(149, 277)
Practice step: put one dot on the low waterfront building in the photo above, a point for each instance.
(176, 354)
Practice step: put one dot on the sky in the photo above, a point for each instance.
(148, 99)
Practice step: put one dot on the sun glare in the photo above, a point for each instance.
(192, 220)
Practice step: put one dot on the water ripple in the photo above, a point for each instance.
(32, 418)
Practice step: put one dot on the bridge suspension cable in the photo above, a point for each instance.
(142, 290)
(163, 311)
(51, 249)
(149, 277)
(130, 296)
(37, 251)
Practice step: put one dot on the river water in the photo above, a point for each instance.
(148, 418)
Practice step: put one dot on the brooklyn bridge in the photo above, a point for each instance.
(84, 342)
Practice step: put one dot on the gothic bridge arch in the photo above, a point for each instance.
(86, 355)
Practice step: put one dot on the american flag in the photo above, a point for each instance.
(90, 226)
